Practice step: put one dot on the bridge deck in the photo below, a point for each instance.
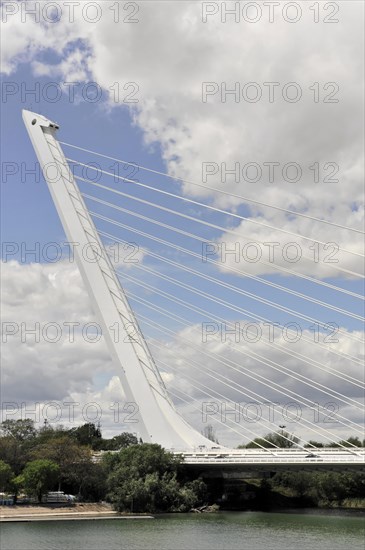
(288, 459)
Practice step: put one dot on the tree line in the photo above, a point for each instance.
(286, 440)
(145, 477)
(140, 477)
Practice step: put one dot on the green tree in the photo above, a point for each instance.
(39, 476)
(315, 444)
(87, 434)
(11, 452)
(144, 478)
(118, 442)
(17, 437)
(322, 488)
(6, 477)
(48, 432)
(271, 440)
(71, 458)
(300, 482)
(351, 441)
(88, 482)
(21, 430)
(330, 486)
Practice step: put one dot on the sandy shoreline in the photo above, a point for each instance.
(49, 513)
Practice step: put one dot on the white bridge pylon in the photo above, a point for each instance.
(158, 420)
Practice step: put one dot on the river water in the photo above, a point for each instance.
(309, 530)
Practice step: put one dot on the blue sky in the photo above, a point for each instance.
(81, 123)
(29, 216)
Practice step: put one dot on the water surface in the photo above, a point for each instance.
(224, 530)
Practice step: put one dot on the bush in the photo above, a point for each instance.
(143, 478)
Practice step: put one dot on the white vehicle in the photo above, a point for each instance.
(54, 497)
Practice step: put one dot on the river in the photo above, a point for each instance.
(322, 530)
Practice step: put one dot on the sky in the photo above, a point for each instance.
(263, 105)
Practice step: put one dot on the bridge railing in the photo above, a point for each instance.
(276, 452)
(274, 460)
(254, 456)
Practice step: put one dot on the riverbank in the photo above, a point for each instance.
(268, 496)
(87, 511)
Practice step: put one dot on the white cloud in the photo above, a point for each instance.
(82, 373)
(261, 250)
(47, 357)
(24, 37)
(170, 52)
(256, 377)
